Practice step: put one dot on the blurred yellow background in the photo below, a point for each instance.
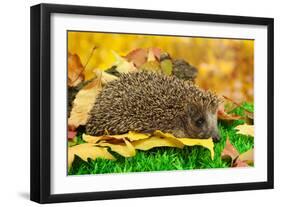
(225, 65)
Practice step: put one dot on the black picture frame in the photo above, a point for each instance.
(41, 96)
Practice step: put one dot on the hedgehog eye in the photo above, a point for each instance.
(199, 122)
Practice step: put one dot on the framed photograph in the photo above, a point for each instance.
(133, 103)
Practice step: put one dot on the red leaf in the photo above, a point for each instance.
(229, 152)
(71, 134)
(240, 163)
(222, 115)
(137, 56)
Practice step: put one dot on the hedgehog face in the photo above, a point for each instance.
(200, 122)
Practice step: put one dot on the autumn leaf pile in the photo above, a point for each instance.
(82, 94)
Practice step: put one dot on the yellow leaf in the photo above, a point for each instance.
(133, 136)
(122, 65)
(207, 143)
(105, 77)
(125, 149)
(83, 103)
(150, 56)
(154, 141)
(247, 157)
(91, 139)
(246, 129)
(87, 150)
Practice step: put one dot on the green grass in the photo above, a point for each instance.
(165, 158)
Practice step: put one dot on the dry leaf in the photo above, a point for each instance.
(154, 141)
(246, 129)
(132, 136)
(222, 115)
(156, 52)
(141, 141)
(83, 103)
(247, 157)
(122, 65)
(243, 160)
(137, 56)
(71, 134)
(141, 56)
(105, 77)
(229, 152)
(87, 150)
(125, 149)
(75, 70)
(207, 143)
(239, 163)
(91, 139)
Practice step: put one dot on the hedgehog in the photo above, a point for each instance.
(146, 101)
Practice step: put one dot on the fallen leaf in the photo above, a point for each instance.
(75, 70)
(72, 142)
(137, 56)
(83, 103)
(71, 134)
(151, 57)
(141, 56)
(145, 141)
(105, 77)
(91, 139)
(122, 65)
(207, 143)
(125, 149)
(132, 136)
(239, 163)
(167, 66)
(222, 115)
(156, 52)
(247, 157)
(154, 141)
(152, 66)
(87, 150)
(246, 129)
(229, 152)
